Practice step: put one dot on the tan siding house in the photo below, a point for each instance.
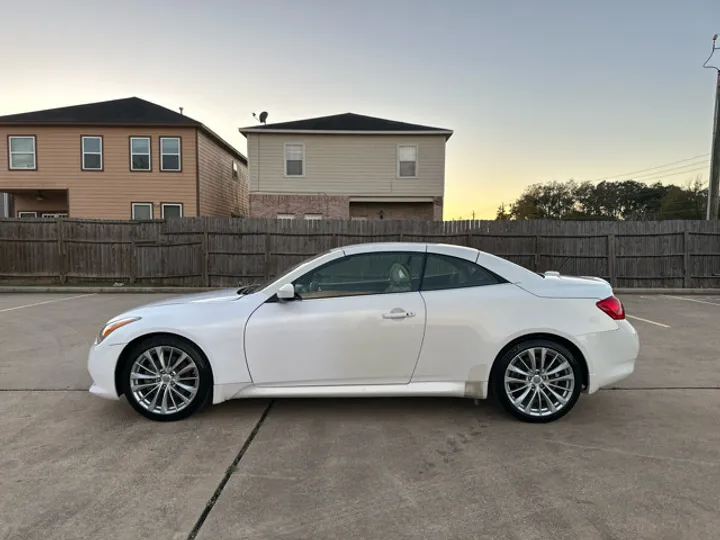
(124, 159)
(223, 180)
(346, 167)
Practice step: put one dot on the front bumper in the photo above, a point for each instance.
(102, 360)
(611, 355)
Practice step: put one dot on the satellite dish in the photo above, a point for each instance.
(263, 117)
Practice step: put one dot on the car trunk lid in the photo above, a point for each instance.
(556, 285)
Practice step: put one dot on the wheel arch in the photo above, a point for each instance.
(565, 342)
(125, 357)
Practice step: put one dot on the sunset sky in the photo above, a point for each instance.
(535, 91)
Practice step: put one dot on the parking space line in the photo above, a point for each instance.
(694, 300)
(46, 302)
(647, 321)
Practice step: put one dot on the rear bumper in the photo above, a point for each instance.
(101, 367)
(611, 356)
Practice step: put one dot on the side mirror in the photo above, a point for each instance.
(286, 292)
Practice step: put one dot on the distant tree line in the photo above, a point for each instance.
(626, 200)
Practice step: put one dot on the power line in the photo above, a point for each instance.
(705, 168)
(705, 162)
(650, 168)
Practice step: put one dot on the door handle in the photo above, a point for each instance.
(398, 314)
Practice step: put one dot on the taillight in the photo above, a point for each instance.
(613, 307)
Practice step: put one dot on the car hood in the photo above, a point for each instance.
(222, 295)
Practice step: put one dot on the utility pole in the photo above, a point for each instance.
(714, 184)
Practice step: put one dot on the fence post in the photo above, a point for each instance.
(611, 259)
(62, 251)
(536, 255)
(268, 247)
(206, 255)
(686, 259)
(133, 257)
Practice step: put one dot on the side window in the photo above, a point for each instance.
(445, 272)
(368, 273)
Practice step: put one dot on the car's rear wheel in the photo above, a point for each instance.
(537, 380)
(166, 378)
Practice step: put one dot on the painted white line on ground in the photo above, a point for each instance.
(46, 302)
(694, 300)
(647, 321)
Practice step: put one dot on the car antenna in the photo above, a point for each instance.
(563, 264)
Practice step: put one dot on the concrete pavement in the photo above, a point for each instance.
(639, 461)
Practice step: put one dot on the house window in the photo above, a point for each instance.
(92, 154)
(235, 171)
(54, 215)
(407, 160)
(170, 159)
(27, 214)
(142, 211)
(22, 152)
(294, 160)
(286, 217)
(172, 210)
(139, 153)
(313, 217)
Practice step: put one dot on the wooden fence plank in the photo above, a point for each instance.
(214, 251)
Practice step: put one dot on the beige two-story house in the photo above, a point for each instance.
(346, 166)
(120, 159)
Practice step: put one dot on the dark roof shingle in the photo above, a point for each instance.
(131, 111)
(346, 122)
(127, 111)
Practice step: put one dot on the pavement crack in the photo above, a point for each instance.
(626, 388)
(228, 473)
(43, 389)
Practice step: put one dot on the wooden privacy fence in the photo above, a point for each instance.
(212, 252)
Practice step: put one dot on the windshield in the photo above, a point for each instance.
(252, 287)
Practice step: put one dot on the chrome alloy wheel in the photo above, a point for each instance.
(164, 380)
(539, 381)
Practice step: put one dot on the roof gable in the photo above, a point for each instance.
(131, 111)
(346, 123)
(121, 112)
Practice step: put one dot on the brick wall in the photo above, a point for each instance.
(269, 206)
(339, 207)
(422, 211)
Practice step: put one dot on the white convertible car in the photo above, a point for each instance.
(384, 319)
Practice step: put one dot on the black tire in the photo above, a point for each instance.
(537, 414)
(204, 373)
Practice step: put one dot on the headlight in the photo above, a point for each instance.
(110, 327)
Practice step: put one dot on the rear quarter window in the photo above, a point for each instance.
(446, 272)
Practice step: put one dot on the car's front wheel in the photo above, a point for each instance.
(166, 378)
(537, 381)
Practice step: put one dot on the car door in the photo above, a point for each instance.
(469, 309)
(358, 319)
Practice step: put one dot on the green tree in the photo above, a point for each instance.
(626, 200)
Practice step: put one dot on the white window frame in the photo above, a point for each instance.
(313, 217)
(135, 204)
(53, 215)
(83, 152)
(286, 217)
(235, 170)
(11, 138)
(178, 154)
(417, 159)
(26, 213)
(149, 154)
(285, 160)
(164, 205)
